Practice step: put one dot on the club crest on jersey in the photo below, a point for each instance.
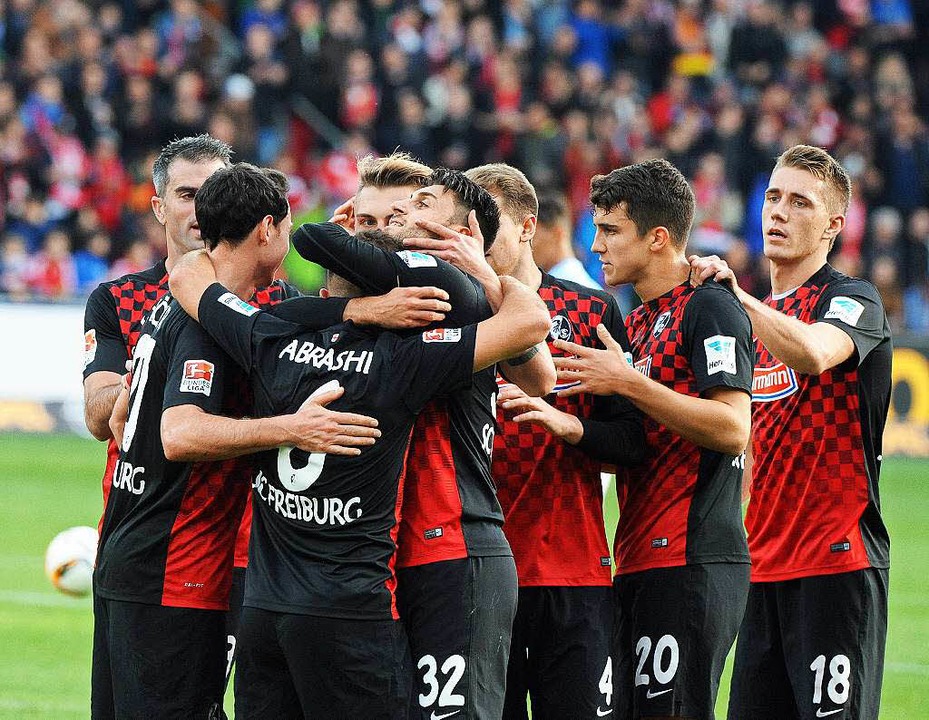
(198, 377)
(442, 335)
(644, 365)
(233, 302)
(845, 309)
(720, 354)
(773, 383)
(561, 328)
(417, 259)
(90, 346)
(661, 323)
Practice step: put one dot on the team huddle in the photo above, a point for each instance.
(386, 501)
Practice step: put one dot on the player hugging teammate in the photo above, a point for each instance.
(380, 428)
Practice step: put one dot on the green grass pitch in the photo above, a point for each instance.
(52, 482)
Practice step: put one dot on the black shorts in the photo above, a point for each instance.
(236, 596)
(560, 654)
(812, 648)
(673, 631)
(459, 616)
(151, 661)
(296, 666)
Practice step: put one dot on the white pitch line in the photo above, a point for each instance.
(907, 668)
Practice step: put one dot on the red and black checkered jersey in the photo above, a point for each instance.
(815, 505)
(682, 504)
(551, 491)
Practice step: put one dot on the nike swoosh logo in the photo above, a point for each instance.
(603, 713)
(433, 716)
(649, 694)
(825, 713)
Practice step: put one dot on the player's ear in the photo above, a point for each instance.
(324, 292)
(659, 238)
(158, 208)
(527, 232)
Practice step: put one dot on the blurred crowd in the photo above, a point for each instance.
(90, 90)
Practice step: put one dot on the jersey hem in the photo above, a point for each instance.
(564, 582)
(708, 560)
(160, 601)
(812, 572)
(318, 612)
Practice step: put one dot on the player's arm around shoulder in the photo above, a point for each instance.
(521, 323)
(807, 348)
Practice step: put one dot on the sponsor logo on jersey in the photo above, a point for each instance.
(433, 533)
(605, 561)
(417, 259)
(661, 323)
(845, 309)
(840, 547)
(773, 383)
(90, 346)
(198, 377)
(649, 694)
(720, 354)
(561, 329)
(820, 713)
(644, 365)
(235, 303)
(442, 335)
(321, 358)
(661, 542)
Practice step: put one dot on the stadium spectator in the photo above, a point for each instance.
(51, 272)
(92, 263)
(841, 76)
(551, 244)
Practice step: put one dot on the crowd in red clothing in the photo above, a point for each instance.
(563, 89)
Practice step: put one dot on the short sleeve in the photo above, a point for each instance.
(104, 345)
(197, 369)
(855, 307)
(434, 362)
(718, 339)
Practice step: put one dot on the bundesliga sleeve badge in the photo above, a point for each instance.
(198, 377)
(720, 354)
(90, 346)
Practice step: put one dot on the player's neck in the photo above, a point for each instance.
(663, 276)
(237, 271)
(557, 255)
(527, 272)
(786, 276)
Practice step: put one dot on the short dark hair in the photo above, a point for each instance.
(194, 148)
(654, 193)
(470, 196)
(233, 200)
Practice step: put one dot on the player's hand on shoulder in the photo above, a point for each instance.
(401, 308)
(315, 428)
(711, 267)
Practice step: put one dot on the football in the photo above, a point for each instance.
(69, 560)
